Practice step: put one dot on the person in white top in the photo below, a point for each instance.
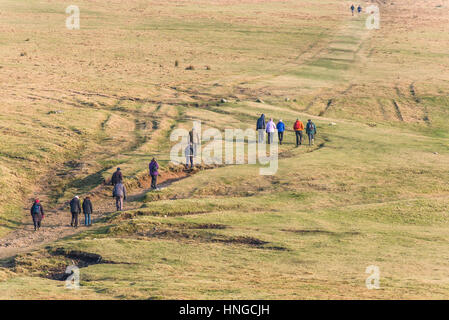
(271, 127)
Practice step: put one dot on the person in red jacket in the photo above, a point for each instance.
(299, 128)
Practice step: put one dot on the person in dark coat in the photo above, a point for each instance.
(352, 9)
(37, 213)
(154, 167)
(359, 9)
(311, 131)
(75, 209)
(117, 177)
(260, 127)
(87, 210)
(188, 152)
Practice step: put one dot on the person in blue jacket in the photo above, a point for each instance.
(352, 9)
(260, 127)
(281, 128)
(359, 9)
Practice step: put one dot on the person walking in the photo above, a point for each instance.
(37, 213)
(260, 127)
(194, 139)
(117, 177)
(352, 9)
(75, 209)
(359, 9)
(87, 210)
(298, 127)
(311, 131)
(271, 127)
(189, 155)
(119, 194)
(154, 167)
(281, 128)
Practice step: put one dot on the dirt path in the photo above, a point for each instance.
(56, 224)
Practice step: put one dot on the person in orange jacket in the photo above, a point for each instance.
(299, 128)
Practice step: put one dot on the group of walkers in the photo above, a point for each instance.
(359, 9)
(270, 128)
(76, 208)
(119, 189)
(37, 212)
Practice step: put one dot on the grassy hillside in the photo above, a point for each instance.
(372, 191)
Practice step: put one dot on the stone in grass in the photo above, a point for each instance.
(332, 124)
(260, 100)
(55, 112)
(190, 67)
(223, 100)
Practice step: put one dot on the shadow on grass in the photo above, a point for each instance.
(87, 183)
(9, 224)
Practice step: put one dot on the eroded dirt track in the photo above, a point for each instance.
(56, 224)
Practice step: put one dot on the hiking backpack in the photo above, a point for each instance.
(310, 127)
(36, 209)
(296, 126)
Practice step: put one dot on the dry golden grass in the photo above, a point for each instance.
(77, 104)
